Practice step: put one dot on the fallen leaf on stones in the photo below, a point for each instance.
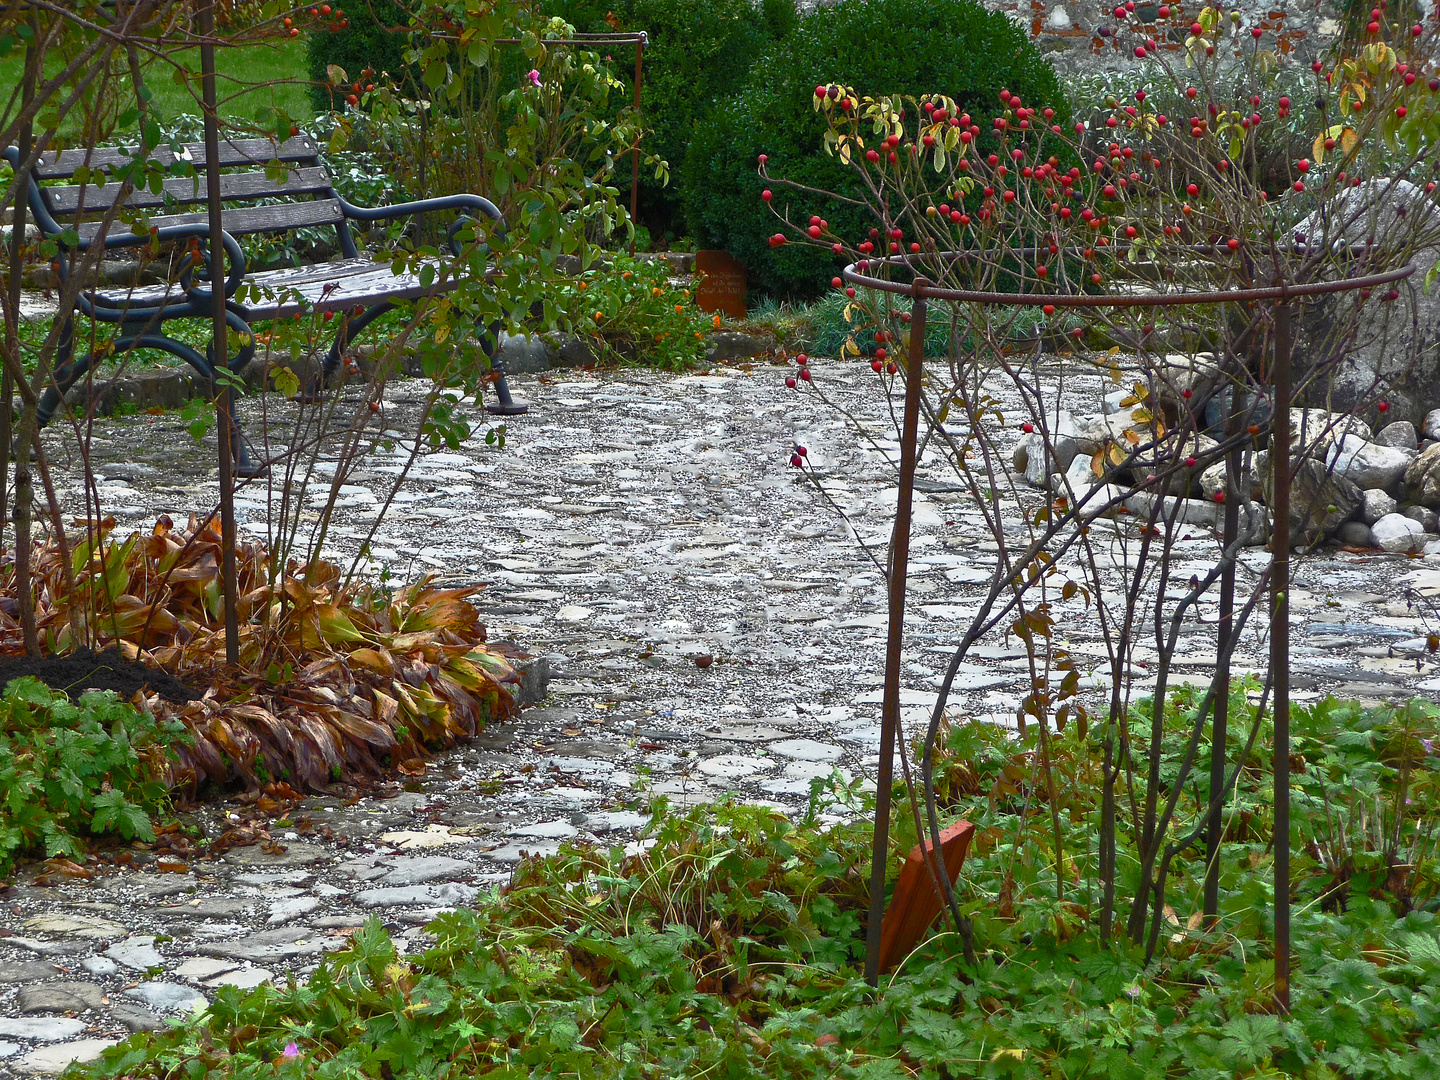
(172, 866)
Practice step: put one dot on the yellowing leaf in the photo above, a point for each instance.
(371, 659)
(335, 625)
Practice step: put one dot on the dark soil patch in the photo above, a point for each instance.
(86, 670)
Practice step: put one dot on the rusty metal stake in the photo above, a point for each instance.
(899, 558)
(224, 425)
(635, 154)
(1220, 720)
(1280, 646)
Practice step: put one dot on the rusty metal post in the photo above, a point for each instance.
(1280, 644)
(23, 143)
(1220, 717)
(224, 425)
(635, 154)
(890, 730)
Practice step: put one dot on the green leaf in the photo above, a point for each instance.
(1110, 971)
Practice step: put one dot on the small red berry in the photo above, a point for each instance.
(1384, 406)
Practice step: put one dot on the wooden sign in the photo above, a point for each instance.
(915, 903)
(723, 287)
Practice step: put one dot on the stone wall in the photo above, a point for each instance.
(1069, 31)
(1075, 33)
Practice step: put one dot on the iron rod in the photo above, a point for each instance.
(635, 154)
(1280, 646)
(224, 424)
(890, 730)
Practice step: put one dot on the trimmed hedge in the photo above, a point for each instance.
(699, 53)
(954, 47)
(366, 42)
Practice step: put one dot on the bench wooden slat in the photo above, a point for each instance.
(334, 286)
(337, 286)
(187, 190)
(298, 150)
(250, 219)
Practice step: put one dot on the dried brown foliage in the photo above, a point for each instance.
(332, 682)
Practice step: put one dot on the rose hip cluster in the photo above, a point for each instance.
(1144, 178)
(323, 17)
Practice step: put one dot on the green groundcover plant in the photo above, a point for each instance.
(629, 311)
(728, 947)
(67, 770)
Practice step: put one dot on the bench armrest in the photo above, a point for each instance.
(419, 206)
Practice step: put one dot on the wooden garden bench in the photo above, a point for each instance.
(303, 197)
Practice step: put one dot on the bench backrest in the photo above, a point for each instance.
(306, 189)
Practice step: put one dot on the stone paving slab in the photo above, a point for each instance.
(633, 523)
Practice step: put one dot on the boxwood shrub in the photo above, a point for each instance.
(699, 53)
(954, 47)
(368, 41)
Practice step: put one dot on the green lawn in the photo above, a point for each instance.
(253, 80)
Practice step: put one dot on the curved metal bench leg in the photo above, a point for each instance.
(349, 329)
(68, 374)
(504, 405)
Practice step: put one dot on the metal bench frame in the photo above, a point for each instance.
(354, 283)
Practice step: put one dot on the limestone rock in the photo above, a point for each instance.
(1321, 428)
(1360, 347)
(53, 1059)
(1180, 511)
(1093, 432)
(1212, 480)
(1077, 479)
(1178, 373)
(1354, 534)
(1320, 501)
(76, 925)
(1169, 459)
(1396, 532)
(1429, 520)
(1367, 464)
(1400, 434)
(1422, 478)
(137, 953)
(60, 997)
(169, 996)
(1038, 462)
(1102, 499)
(1374, 505)
(1430, 426)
